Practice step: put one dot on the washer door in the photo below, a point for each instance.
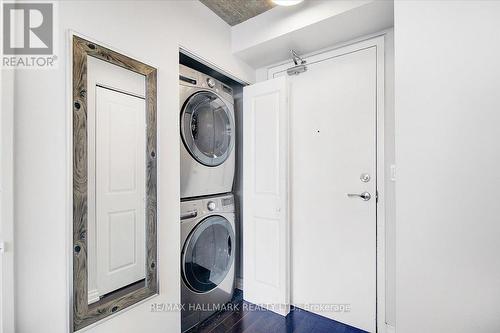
(207, 128)
(208, 254)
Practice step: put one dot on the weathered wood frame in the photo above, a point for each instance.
(83, 314)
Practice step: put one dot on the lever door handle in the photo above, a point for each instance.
(365, 196)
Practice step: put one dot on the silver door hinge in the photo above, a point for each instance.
(376, 196)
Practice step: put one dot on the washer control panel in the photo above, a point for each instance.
(211, 82)
(211, 205)
(201, 207)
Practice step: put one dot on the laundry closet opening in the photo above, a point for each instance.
(210, 127)
(283, 193)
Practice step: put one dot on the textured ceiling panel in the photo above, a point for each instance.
(237, 11)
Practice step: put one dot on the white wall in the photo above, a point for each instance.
(310, 26)
(448, 156)
(150, 31)
(288, 19)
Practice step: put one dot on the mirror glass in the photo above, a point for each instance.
(117, 180)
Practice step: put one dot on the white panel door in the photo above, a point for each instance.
(265, 197)
(333, 108)
(120, 190)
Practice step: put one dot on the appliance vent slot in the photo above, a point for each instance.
(187, 79)
(227, 89)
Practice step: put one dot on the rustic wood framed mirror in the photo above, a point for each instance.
(114, 182)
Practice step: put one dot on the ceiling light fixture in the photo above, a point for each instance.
(287, 2)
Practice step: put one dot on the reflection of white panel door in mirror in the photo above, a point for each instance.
(120, 150)
(125, 87)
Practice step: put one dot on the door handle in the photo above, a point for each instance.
(365, 196)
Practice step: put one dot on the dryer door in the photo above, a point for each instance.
(207, 128)
(208, 254)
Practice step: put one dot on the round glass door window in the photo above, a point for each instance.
(207, 128)
(208, 254)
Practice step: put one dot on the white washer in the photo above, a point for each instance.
(207, 133)
(207, 257)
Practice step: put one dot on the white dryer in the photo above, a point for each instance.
(208, 135)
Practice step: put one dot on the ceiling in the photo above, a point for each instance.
(237, 11)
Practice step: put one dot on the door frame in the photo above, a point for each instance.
(7, 255)
(377, 41)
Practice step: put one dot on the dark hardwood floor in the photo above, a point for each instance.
(246, 318)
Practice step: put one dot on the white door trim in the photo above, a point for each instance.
(7, 305)
(186, 51)
(378, 42)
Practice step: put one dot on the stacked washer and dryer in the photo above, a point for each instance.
(207, 219)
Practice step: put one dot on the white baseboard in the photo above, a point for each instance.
(390, 328)
(93, 296)
(239, 283)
